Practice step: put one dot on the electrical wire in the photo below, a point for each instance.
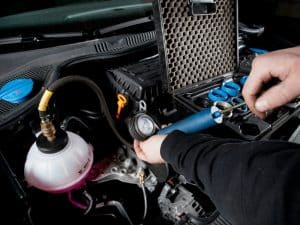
(66, 122)
(145, 201)
(75, 203)
(90, 200)
(29, 217)
(119, 207)
(94, 87)
(87, 208)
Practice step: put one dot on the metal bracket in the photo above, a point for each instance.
(202, 7)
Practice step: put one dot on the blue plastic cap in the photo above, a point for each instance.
(16, 91)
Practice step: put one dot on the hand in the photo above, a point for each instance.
(282, 64)
(149, 150)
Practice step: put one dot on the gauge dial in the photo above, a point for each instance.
(145, 125)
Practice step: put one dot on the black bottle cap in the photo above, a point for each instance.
(57, 145)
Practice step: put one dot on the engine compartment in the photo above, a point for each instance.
(120, 188)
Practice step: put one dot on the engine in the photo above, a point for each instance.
(91, 99)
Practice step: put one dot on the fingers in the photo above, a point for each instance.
(276, 96)
(149, 150)
(258, 76)
(278, 64)
(250, 90)
(138, 150)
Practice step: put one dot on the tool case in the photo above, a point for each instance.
(198, 49)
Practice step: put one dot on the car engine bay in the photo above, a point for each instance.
(107, 92)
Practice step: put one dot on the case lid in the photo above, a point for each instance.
(197, 41)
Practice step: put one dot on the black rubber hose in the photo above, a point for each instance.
(95, 88)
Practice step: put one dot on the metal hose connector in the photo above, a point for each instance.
(48, 129)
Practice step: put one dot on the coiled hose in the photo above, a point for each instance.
(89, 83)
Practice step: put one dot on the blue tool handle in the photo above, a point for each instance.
(192, 124)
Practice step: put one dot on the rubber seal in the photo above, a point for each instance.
(217, 95)
(231, 88)
(57, 145)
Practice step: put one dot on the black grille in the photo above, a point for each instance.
(6, 106)
(220, 221)
(195, 48)
(124, 42)
(141, 80)
(37, 74)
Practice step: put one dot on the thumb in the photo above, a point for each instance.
(276, 96)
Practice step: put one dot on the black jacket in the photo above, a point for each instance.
(251, 183)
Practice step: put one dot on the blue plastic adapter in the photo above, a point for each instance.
(217, 95)
(243, 80)
(16, 91)
(231, 88)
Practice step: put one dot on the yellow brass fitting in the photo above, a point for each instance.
(141, 176)
(48, 130)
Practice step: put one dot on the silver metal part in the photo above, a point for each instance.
(177, 202)
(123, 166)
(215, 109)
(255, 29)
(294, 104)
(142, 106)
(241, 43)
(224, 105)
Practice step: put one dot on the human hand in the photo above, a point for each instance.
(283, 65)
(149, 150)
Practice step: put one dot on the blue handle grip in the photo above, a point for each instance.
(194, 123)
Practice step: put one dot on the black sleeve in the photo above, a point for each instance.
(251, 183)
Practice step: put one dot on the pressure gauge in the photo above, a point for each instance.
(142, 126)
(145, 125)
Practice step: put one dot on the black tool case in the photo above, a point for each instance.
(198, 48)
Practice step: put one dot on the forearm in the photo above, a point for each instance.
(242, 178)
